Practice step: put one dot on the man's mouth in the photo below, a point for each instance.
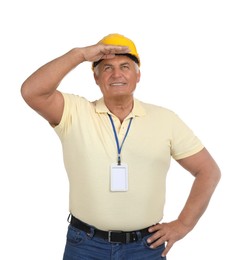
(117, 84)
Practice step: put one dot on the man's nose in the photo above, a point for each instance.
(116, 72)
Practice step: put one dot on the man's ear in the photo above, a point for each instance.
(138, 76)
(96, 78)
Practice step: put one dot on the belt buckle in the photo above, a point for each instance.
(110, 236)
(127, 236)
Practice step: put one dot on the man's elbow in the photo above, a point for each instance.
(25, 92)
(217, 175)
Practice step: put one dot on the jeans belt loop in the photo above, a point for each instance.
(91, 233)
(127, 238)
(109, 236)
(138, 235)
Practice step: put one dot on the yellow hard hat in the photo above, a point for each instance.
(118, 39)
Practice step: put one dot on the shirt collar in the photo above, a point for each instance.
(138, 109)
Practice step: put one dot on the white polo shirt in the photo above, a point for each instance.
(89, 147)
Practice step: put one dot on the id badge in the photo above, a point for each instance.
(119, 177)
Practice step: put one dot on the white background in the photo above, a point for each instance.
(190, 63)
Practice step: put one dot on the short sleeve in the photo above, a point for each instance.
(184, 142)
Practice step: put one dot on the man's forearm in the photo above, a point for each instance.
(46, 79)
(199, 197)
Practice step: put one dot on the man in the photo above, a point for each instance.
(117, 153)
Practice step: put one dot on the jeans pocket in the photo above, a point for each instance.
(160, 247)
(75, 236)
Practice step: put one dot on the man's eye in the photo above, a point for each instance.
(107, 68)
(125, 67)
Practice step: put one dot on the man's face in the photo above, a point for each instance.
(117, 77)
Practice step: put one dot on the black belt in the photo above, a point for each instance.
(110, 236)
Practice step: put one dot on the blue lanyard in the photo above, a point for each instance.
(119, 147)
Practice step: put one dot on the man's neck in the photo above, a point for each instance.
(120, 107)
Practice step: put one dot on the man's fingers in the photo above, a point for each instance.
(155, 228)
(112, 49)
(167, 248)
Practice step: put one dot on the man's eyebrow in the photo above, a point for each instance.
(107, 64)
(123, 63)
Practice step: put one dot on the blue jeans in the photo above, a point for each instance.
(83, 246)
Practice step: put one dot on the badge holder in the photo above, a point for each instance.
(119, 177)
